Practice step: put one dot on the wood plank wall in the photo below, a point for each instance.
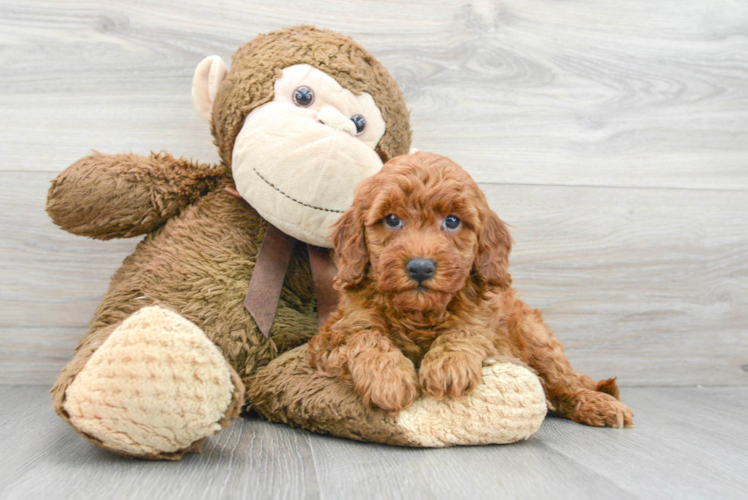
(612, 135)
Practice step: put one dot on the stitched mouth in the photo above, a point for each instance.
(323, 209)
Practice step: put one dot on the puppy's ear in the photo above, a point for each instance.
(492, 260)
(350, 248)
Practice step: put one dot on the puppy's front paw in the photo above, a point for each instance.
(600, 410)
(452, 374)
(391, 386)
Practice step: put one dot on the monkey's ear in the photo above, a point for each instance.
(208, 77)
(494, 245)
(350, 249)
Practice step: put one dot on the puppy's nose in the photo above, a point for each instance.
(420, 269)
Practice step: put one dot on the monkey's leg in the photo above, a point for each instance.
(153, 387)
(508, 405)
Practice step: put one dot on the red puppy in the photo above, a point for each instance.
(424, 285)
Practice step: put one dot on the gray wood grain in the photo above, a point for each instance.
(589, 92)
(31, 355)
(612, 135)
(688, 443)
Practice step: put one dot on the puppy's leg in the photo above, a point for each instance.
(570, 394)
(380, 373)
(453, 364)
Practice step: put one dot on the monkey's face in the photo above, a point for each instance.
(299, 157)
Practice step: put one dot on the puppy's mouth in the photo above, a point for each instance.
(419, 298)
(408, 295)
(405, 286)
(409, 290)
(411, 287)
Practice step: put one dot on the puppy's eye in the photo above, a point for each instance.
(393, 222)
(360, 123)
(452, 223)
(303, 96)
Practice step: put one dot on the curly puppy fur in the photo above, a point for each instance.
(394, 336)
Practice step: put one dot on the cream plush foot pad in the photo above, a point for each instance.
(156, 386)
(509, 405)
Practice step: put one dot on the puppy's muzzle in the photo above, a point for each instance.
(420, 269)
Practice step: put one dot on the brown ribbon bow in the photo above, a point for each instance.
(270, 270)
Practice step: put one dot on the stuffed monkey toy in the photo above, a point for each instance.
(235, 270)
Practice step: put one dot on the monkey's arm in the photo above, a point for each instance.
(124, 195)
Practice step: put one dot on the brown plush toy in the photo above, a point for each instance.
(173, 352)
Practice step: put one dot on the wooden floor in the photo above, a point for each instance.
(688, 443)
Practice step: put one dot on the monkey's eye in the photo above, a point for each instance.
(452, 223)
(393, 222)
(360, 123)
(303, 96)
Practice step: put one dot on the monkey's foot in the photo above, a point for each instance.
(508, 405)
(156, 388)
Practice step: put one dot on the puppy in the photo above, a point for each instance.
(426, 298)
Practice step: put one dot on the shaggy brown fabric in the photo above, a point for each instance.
(256, 66)
(395, 335)
(202, 242)
(508, 406)
(288, 390)
(199, 265)
(126, 195)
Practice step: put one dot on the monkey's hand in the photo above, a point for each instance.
(124, 195)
